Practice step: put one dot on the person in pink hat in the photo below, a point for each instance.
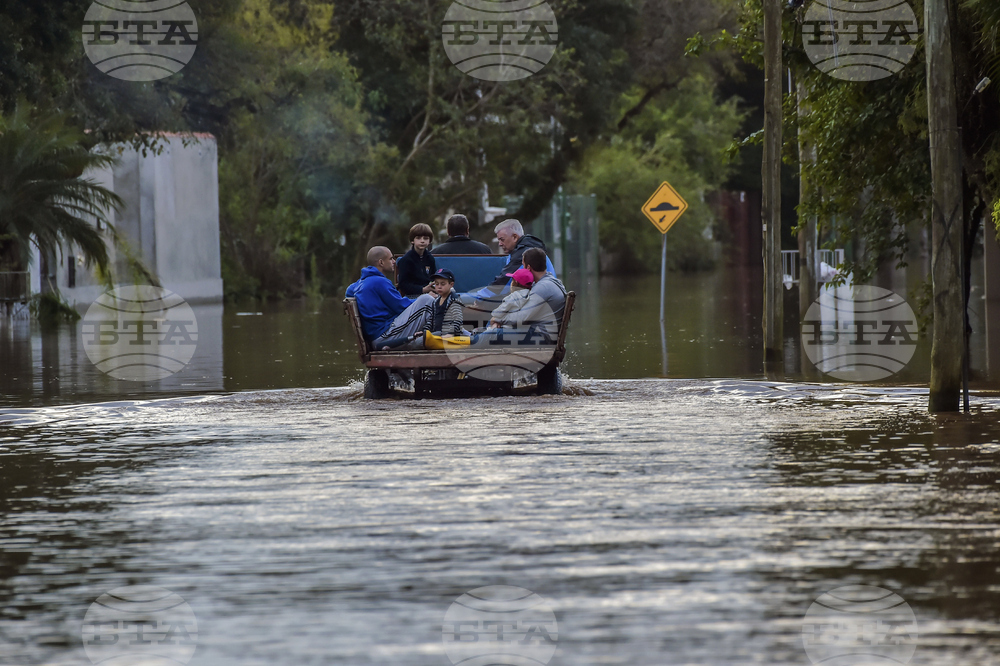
(522, 279)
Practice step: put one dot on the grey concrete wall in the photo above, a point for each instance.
(170, 220)
(185, 218)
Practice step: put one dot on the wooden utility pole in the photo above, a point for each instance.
(808, 269)
(771, 199)
(948, 345)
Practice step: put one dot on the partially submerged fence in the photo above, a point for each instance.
(569, 228)
(15, 286)
(833, 259)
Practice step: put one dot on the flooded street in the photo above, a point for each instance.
(713, 330)
(664, 521)
(636, 365)
(688, 520)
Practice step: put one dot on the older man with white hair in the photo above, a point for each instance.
(513, 242)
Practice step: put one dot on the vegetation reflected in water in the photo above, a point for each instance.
(713, 330)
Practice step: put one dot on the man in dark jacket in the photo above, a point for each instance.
(458, 239)
(513, 242)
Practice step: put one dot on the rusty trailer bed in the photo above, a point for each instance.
(416, 361)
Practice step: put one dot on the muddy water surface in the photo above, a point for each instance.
(664, 521)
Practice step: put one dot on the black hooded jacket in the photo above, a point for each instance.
(514, 261)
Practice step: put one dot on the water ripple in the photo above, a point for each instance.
(665, 521)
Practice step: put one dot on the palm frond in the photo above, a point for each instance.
(45, 200)
(986, 14)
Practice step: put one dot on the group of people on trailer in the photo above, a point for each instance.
(525, 295)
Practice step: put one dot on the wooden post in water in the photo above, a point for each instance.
(771, 200)
(948, 345)
(991, 278)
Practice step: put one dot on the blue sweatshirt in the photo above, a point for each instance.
(378, 301)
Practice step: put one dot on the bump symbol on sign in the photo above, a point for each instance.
(665, 207)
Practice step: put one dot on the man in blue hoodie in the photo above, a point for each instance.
(385, 315)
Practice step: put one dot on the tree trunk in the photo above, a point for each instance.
(808, 270)
(771, 201)
(948, 345)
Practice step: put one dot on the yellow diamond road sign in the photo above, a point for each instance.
(664, 208)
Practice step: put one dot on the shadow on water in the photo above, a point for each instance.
(906, 501)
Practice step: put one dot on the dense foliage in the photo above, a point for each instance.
(340, 123)
(870, 180)
(681, 138)
(44, 200)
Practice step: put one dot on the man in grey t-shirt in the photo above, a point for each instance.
(546, 300)
(537, 320)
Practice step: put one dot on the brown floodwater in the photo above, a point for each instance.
(663, 521)
(693, 519)
(712, 329)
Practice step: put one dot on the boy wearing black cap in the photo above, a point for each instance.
(446, 314)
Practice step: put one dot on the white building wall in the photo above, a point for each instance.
(36, 277)
(186, 219)
(170, 220)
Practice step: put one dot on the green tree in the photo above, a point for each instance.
(42, 61)
(296, 153)
(450, 133)
(680, 136)
(657, 48)
(340, 123)
(45, 200)
(870, 179)
(293, 141)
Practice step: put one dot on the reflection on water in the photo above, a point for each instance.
(713, 330)
(665, 521)
(50, 366)
(712, 327)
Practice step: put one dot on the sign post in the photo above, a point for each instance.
(663, 209)
(663, 295)
(663, 276)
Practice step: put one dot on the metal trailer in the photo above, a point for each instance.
(505, 370)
